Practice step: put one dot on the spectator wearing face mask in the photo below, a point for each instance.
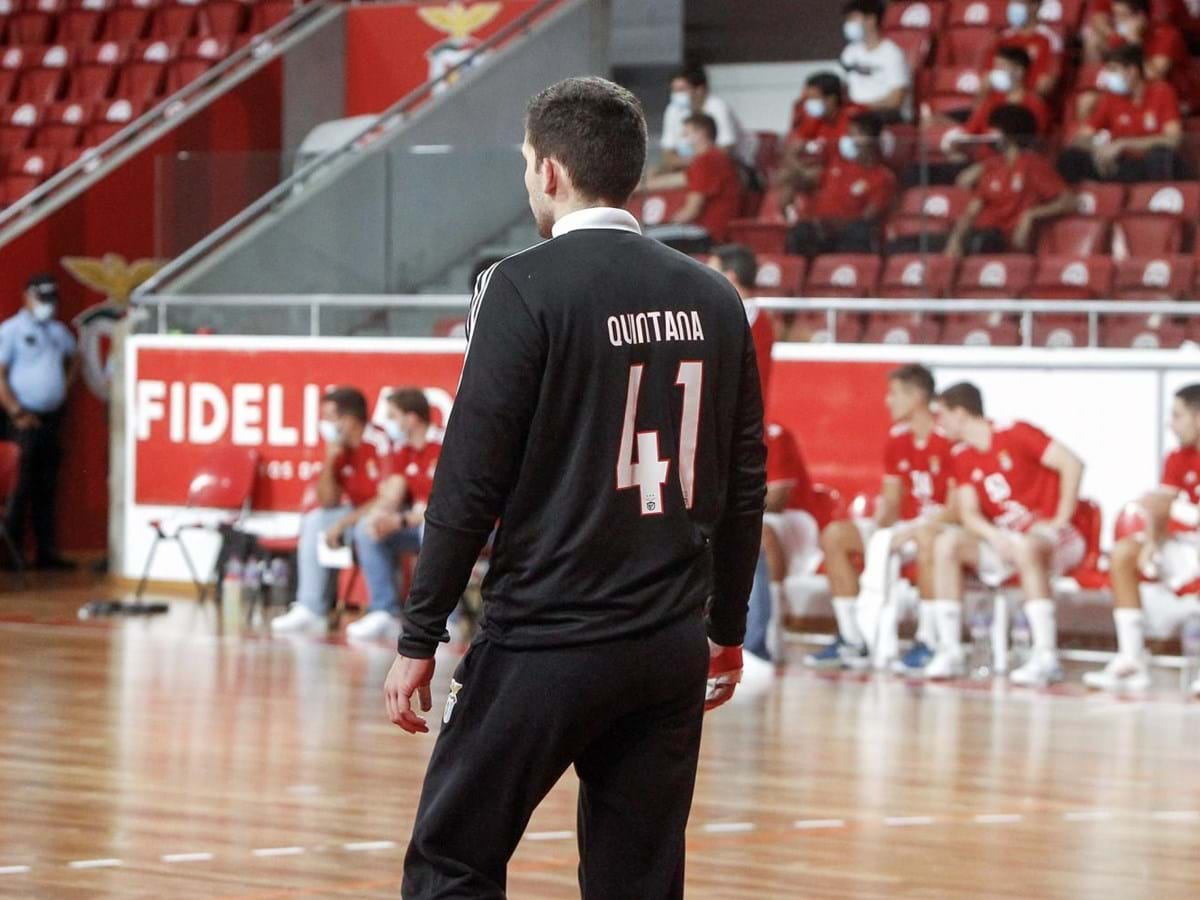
(38, 364)
(877, 74)
(1100, 28)
(357, 457)
(690, 95)
(1163, 45)
(1042, 45)
(1014, 191)
(1134, 132)
(820, 118)
(849, 198)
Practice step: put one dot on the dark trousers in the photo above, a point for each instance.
(627, 714)
(817, 236)
(37, 482)
(1160, 164)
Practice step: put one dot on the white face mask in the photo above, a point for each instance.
(43, 312)
(815, 108)
(848, 147)
(1113, 82)
(329, 431)
(681, 99)
(1128, 29)
(394, 430)
(685, 149)
(1018, 15)
(1001, 80)
(854, 31)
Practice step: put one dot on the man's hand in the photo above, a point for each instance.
(724, 673)
(1003, 543)
(381, 524)
(406, 677)
(1023, 233)
(1106, 157)
(1148, 559)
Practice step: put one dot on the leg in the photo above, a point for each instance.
(312, 579)
(953, 551)
(377, 558)
(1075, 165)
(841, 542)
(43, 506)
(758, 617)
(1034, 558)
(18, 503)
(1128, 670)
(926, 537)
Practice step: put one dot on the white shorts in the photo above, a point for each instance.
(868, 527)
(1069, 551)
(1179, 560)
(797, 531)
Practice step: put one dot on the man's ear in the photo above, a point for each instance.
(551, 177)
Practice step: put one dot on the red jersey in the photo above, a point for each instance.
(923, 469)
(417, 467)
(978, 123)
(1126, 117)
(1043, 47)
(785, 465)
(1181, 473)
(1014, 488)
(1008, 190)
(850, 191)
(359, 469)
(762, 330)
(713, 175)
(818, 136)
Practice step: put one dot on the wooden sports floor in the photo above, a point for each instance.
(162, 759)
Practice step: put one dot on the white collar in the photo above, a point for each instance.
(596, 217)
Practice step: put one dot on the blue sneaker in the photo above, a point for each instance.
(838, 655)
(915, 660)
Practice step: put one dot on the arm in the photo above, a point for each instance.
(1070, 474)
(666, 182)
(691, 209)
(1157, 67)
(972, 519)
(954, 244)
(1170, 137)
(778, 495)
(1157, 506)
(1062, 205)
(887, 512)
(7, 400)
(74, 363)
(329, 490)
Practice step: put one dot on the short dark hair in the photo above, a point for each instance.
(1018, 56)
(827, 84)
(1138, 6)
(694, 75)
(411, 400)
(740, 260)
(1189, 395)
(868, 123)
(963, 395)
(865, 7)
(1015, 122)
(348, 401)
(596, 130)
(704, 122)
(1129, 55)
(917, 376)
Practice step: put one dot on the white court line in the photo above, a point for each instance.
(819, 823)
(905, 821)
(1178, 815)
(94, 863)
(998, 818)
(550, 835)
(185, 857)
(1095, 815)
(278, 851)
(727, 827)
(358, 846)
(13, 870)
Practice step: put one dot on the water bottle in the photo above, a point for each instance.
(231, 593)
(1022, 640)
(1189, 640)
(979, 663)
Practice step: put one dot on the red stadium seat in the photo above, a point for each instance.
(766, 153)
(927, 210)
(269, 13)
(8, 81)
(42, 86)
(126, 24)
(657, 207)
(1104, 201)
(761, 237)
(196, 57)
(915, 45)
(844, 275)
(39, 164)
(1064, 15)
(1060, 331)
(1072, 278)
(17, 125)
(914, 15)
(813, 327)
(990, 14)
(14, 187)
(114, 115)
(1002, 277)
(16, 58)
(71, 112)
(1154, 332)
(1074, 236)
(916, 277)
(28, 28)
(80, 26)
(58, 137)
(780, 275)
(223, 18)
(50, 7)
(981, 330)
(1146, 234)
(1156, 278)
(144, 78)
(954, 88)
(1176, 198)
(966, 47)
(96, 72)
(900, 328)
(174, 22)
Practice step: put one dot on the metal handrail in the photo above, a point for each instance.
(301, 176)
(169, 108)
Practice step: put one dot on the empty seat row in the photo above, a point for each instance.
(65, 125)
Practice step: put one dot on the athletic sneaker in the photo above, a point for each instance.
(839, 655)
(946, 664)
(374, 626)
(1121, 674)
(1042, 669)
(1195, 688)
(913, 662)
(299, 620)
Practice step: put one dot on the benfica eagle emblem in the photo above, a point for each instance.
(459, 22)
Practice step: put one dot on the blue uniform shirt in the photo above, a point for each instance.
(34, 354)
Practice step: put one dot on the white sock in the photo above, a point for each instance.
(843, 608)
(927, 623)
(1042, 627)
(775, 626)
(1131, 635)
(949, 624)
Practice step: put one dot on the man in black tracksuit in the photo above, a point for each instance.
(609, 417)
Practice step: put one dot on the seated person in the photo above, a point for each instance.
(877, 74)
(1135, 131)
(1160, 552)
(393, 526)
(1042, 45)
(820, 119)
(714, 191)
(850, 197)
(690, 95)
(1007, 83)
(1014, 191)
(1018, 494)
(738, 264)
(356, 458)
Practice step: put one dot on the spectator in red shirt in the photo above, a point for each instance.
(1014, 191)
(1135, 131)
(1100, 32)
(738, 264)
(1041, 43)
(395, 523)
(1163, 45)
(850, 197)
(1007, 80)
(819, 120)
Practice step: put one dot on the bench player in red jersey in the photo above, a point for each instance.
(916, 478)
(1167, 551)
(738, 263)
(1018, 500)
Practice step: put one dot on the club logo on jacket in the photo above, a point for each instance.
(452, 699)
